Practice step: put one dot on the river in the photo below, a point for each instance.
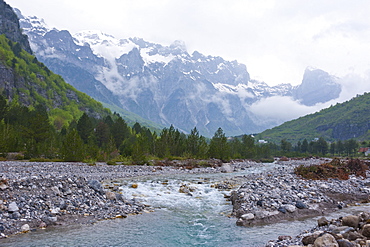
(197, 218)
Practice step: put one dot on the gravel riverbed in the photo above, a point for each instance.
(37, 195)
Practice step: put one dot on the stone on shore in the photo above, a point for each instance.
(301, 205)
(322, 221)
(25, 228)
(249, 216)
(366, 230)
(96, 185)
(345, 243)
(110, 195)
(326, 240)
(226, 168)
(351, 220)
(13, 207)
(290, 208)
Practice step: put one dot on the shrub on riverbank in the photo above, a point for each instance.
(339, 169)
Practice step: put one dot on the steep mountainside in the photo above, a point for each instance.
(344, 121)
(317, 87)
(164, 84)
(25, 79)
(9, 25)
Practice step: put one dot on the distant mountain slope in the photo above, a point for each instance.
(343, 121)
(164, 84)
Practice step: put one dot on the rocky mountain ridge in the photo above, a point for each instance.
(166, 84)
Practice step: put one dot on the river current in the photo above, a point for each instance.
(197, 218)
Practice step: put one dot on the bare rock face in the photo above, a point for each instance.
(9, 25)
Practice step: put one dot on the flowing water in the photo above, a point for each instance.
(197, 218)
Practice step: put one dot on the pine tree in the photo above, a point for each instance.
(73, 147)
(219, 148)
(85, 127)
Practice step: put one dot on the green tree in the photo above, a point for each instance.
(102, 133)
(249, 148)
(333, 148)
(119, 131)
(340, 147)
(85, 127)
(219, 147)
(304, 148)
(285, 145)
(73, 147)
(193, 142)
(350, 146)
(322, 146)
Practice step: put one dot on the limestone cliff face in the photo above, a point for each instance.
(9, 25)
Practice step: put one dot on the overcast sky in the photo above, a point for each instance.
(275, 39)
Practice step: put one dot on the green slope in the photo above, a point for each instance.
(132, 118)
(343, 121)
(26, 80)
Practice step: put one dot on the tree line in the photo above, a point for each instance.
(29, 131)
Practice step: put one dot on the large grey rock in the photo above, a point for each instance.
(96, 185)
(226, 168)
(301, 205)
(290, 208)
(25, 228)
(13, 207)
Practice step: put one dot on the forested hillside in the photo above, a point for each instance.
(29, 82)
(348, 120)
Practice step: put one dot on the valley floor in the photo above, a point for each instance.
(39, 195)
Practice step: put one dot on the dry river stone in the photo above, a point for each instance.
(249, 216)
(326, 240)
(25, 228)
(351, 220)
(13, 207)
(366, 230)
(110, 195)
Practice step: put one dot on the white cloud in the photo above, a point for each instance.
(280, 109)
(277, 40)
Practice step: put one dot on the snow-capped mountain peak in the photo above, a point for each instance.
(162, 83)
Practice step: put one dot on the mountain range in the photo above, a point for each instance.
(166, 84)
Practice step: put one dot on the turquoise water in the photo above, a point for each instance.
(179, 219)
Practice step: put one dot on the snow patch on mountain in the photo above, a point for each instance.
(168, 85)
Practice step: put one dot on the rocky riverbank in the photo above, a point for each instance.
(346, 231)
(36, 195)
(282, 195)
